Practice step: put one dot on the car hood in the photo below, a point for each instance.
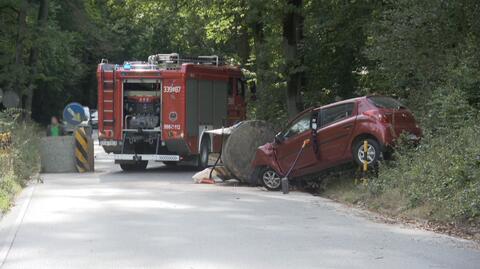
(267, 148)
(264, 156)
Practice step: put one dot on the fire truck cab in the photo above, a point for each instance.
(159, 110)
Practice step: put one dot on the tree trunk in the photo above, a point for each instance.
(243, 46)
(22, 26)
(293, 51)
(243, 38)
(18, 81)
(40, 28)
(261, 64)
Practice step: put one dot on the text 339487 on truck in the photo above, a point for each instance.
(159, 110)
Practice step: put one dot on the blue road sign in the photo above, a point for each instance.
(74, 114)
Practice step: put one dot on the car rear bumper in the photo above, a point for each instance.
(389, 135)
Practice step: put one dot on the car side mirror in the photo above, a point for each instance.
(279, 138)
(314, 125)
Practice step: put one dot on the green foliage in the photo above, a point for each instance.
(21, 160)
(270, 105)
(426, 52)
(448, 109)
(421, 46)
(8, 188)
(335, 38)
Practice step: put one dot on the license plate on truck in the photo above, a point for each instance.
(147, 157)
(108, 143)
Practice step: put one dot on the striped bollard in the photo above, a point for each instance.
(83, 151)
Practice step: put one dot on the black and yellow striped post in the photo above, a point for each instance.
(364, 167)
(365, 162)
(365, 156)
(83, 151)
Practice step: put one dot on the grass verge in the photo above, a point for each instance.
(19, 157)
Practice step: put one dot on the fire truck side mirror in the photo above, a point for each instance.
(253, 88)
(253, 91)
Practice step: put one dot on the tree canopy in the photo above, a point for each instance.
(299, 53)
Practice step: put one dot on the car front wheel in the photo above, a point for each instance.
(270, 179)
(170, 164)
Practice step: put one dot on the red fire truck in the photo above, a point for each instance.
(159, 110)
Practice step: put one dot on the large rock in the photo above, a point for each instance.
(239, 149)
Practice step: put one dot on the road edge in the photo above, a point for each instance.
(13, 220)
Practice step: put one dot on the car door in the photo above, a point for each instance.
(292, 139)
(337, 124)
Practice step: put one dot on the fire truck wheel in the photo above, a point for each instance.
(139, 166)
(204, 152)
(170, 164)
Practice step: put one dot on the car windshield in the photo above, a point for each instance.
(385, 102)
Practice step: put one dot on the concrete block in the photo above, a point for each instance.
(57, 154)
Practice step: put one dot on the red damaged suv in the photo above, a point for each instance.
(336, 133)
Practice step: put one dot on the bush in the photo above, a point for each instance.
(20, 160)
(443, 172)
(8, 188)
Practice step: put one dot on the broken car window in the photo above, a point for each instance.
(301, 125)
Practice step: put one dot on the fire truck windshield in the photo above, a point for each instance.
(141, 87)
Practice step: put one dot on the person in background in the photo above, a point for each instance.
(55, 128)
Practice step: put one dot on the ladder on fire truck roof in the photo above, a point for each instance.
(175, 59)
(108, 96)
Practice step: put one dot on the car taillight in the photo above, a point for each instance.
(377, 115)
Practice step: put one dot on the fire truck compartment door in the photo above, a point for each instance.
(206, 104)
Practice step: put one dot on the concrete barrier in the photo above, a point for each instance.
(57, 154)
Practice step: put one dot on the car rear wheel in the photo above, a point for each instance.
(270, 179)
(372, 154)
(138, 166)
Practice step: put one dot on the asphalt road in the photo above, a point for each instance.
(160, 219)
